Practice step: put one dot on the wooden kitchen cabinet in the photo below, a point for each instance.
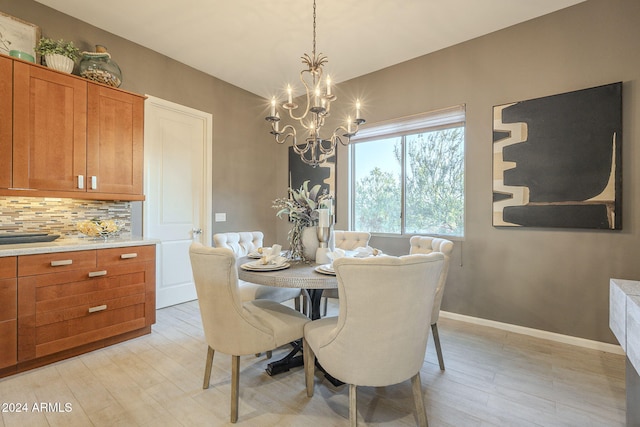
(8, 312)
(115, 140)
(50, 129)
(72, 137)
(73, 302)
(6, 121)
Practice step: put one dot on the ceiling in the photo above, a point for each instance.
(257, 44)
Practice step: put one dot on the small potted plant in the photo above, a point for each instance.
(58, 54)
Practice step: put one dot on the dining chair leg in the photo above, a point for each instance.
(309, 366)
(436, 340)
(326, 305)
(296, 303)
(235, 384)
(306, 302)
(207, 368)
(421, 412)
(269, 354)
(353, 408)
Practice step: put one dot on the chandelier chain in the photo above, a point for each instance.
(314, 29)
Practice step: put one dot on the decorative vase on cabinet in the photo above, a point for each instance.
(59, 62)
(99, 67)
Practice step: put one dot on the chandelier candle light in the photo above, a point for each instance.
(315, 149)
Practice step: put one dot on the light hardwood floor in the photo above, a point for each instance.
(493, 378)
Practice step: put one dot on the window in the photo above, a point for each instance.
(408, 175)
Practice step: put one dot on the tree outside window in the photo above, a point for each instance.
(431, 201)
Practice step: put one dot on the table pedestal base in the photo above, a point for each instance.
(287, 362)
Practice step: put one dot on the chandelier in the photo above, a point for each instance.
(314, 149)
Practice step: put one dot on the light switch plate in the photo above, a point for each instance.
(221, 217)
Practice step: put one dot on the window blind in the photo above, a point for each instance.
(412, 124)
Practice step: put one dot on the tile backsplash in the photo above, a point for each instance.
(58, 216)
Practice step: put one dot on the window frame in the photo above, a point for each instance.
(446, 118)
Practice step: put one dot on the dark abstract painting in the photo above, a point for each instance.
(323, 174)
(557, 160)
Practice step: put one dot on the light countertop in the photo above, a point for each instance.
(73, 244)
(624, 316)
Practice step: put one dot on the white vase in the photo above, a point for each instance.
(310, 243)
(59, 62)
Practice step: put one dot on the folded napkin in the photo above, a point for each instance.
(334, 255)
(364, 252)
(272, 255)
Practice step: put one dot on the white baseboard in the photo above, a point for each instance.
(552, 336)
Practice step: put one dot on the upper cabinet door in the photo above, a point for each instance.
(50, 130)
(6, 121)
(114, 141)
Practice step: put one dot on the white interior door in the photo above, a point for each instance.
(178, 187)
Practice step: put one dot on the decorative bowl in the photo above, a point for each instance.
(100, 228)
(22, 55)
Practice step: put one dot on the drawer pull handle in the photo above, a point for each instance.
(97, 308)
(61, 262)
(98, 273)
(128, 256)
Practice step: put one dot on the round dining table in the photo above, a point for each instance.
(301, 275)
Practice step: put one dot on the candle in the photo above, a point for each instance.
(317, 93)
(277, 123)
(289, 94)
(328, 85)
(323, 218)
(349, 124)
(357, 109)
(273, 106)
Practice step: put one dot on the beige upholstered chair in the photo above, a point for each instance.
(427, 245)
(232, 326)
(380, 335)
(242, 244)
(347, 240)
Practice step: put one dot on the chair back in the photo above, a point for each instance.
(228, 326)
(383, 321)
(349, 240)
(241, 243)
(427, 245)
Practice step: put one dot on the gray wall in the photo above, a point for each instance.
(554, 280)
(240, 187)
(551, 279)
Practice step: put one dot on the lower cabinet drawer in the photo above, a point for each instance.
(55, 262)
(60, 311)
(67, 334)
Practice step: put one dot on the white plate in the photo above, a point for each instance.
(258, 266)
(254, 255)
(326, 269)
